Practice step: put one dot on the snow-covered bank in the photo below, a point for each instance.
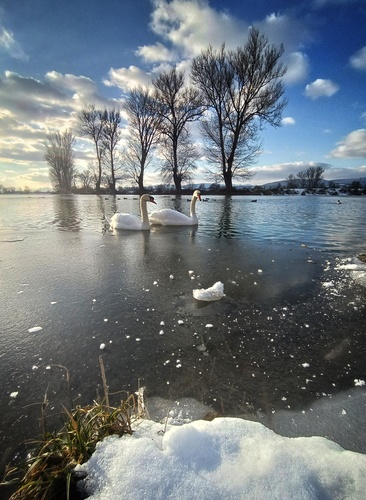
(228, 458)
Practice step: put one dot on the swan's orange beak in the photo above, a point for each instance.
(199, 197)
(152, 200)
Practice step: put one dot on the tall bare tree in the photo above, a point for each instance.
(243, 90)
(60, 157)
(111, 133)
(187, 156)
(91, 124)
(177, 106)
(144, 127)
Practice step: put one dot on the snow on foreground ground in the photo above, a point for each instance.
(228, 458)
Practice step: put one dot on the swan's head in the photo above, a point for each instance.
(197, 194)
(147, 197)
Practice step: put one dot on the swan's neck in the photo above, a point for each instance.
(193, 207)
(144, 214)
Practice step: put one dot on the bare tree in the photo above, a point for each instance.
(243, 90)
(177, 106)
(186, 155)
(143, 126)
(87, 179)
(292, 181)
(91, 124)
(311, 177)
(111, 133)
(60, 157)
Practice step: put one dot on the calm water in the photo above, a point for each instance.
(284, 346)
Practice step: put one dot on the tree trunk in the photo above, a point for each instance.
(141, 183)
(228, 178)
(177, 183)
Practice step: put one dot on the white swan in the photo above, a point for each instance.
(132, 222)
(169, 217)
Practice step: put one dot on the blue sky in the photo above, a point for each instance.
(58, 56)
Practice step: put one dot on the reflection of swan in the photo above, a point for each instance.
(132, 222)
(169, 217)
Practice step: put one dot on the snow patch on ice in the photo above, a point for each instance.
(215, 292)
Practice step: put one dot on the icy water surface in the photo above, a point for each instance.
(286, 345)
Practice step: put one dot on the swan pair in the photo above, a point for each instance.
(164, 217)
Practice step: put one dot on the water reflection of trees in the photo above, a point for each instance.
(67, 216)
(226, 228)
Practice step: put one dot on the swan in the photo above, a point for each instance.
(169, 217)
(132, 222)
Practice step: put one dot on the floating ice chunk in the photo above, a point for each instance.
(161, 332)
(180, 322)
(305, 365)
(209, 325)
(190, 272)
(14, 394)
(359, 382)
(53, 303)
(35, 329)
(102, 346)
(105, 320)
(260, 271)
(171, 277)
(215, 292)
(162, 323)
(328, 284)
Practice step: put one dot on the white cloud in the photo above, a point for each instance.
(155, 53)
(321, 88)
(288, 120)
(10, 45)
(358, 60)
(297, 67)
(192, 25)
(352, 146)
(127, 78)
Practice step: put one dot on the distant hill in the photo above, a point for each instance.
(338, 182)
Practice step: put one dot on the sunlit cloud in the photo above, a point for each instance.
(154, 53)
(321, 88)
(192, 25)
(358, 60)
(127, 78)
(297, 65)
(288, 120)
(352, 146)
(9, 45)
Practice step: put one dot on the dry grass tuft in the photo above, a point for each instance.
(48, 472)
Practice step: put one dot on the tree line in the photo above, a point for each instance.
(231, 93)
(309, 179)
